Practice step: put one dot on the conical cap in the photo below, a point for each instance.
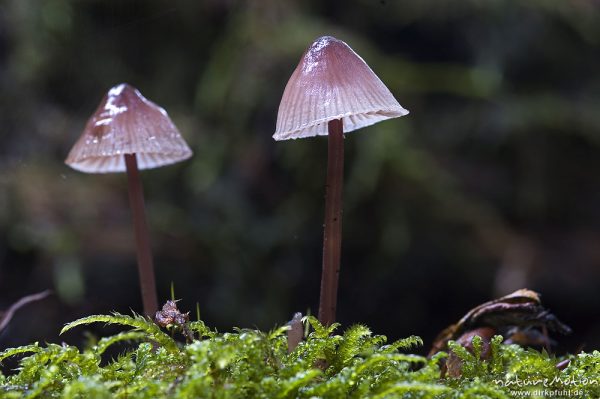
(332, 82)
(127, 123)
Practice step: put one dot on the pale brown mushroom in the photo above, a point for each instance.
(332, 92)
(127, 133)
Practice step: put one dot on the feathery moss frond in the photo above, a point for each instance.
(422, 390)
(350, 346)
(139, 323)
(17, 351)
(405, 344)
(201, 329)
(127, 336)
(321, 331)
(291, 386)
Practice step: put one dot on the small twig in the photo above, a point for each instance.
(6, 317)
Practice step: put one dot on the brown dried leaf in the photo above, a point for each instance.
(521, 309)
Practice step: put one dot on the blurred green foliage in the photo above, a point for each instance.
(489, 185)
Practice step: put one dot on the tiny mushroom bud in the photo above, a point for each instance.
(126, 133)
(296, 332)
(332, 92)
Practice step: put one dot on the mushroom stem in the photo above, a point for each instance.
(332, 238)
(142, 237)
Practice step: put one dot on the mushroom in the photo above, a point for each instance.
(332, 91)
(127, 133)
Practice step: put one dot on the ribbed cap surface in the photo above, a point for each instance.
(332, 82)
(127, 123)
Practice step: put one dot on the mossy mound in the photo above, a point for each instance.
(255, 364)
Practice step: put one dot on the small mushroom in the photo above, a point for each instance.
(127, 133)
(332, 92)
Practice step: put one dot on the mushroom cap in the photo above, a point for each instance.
(126, 122)
(332, 82)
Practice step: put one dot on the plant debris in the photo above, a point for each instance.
(519, 318)
(5, 317)
(171, 318)
(295, 333)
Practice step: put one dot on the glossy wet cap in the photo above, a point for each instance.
(127, 123)
(332, 82)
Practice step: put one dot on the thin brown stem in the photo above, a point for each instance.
(142, 237)
(332, 238)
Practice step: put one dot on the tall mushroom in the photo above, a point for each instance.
(332, 91)
(127, 133)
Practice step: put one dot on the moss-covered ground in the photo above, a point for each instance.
(354, 363)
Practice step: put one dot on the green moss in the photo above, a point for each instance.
(255, 364)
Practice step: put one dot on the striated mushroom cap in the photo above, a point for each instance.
(332, 82)
(127, 123)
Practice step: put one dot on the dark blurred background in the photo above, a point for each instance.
(491, 184)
